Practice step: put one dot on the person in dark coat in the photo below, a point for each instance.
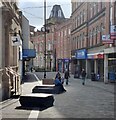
(57, 82)
(58, 75)
(83, 74)
(66, 76)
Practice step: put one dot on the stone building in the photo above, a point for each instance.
(90, 22)
(10, 46)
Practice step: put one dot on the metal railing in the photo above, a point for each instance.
(14, 79)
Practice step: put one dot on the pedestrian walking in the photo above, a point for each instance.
(66, 76)
(83, 75)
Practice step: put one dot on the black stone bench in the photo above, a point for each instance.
(52, 89)
(36, 100)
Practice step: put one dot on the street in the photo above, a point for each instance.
(92, 100)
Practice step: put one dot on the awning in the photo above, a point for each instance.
(99, 55)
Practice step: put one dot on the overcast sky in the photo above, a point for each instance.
(33, 10)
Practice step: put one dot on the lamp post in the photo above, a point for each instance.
(45, 38)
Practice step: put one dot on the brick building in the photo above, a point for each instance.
(90, 21)
(63, 48)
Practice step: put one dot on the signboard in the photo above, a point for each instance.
(113, 32)
(66, 60)
(106, 39)
(95, 55)
(29, 53)
(81, 54)
(16, 41)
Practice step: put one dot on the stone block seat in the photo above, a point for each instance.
(50, 89)
(48, 81)
(36, 100)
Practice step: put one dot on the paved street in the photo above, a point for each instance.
(94, 100)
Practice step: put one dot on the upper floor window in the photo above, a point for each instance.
(91, 11)
(94, 8)
(59, 13)
(69, 31)
(81, 16)
(84, 16)
(103, 5)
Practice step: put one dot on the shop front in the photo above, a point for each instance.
(112, 67)
(73, 61)
(66, 62)
(96, 64)
(60, 65)
(81, 57)
(63, 64)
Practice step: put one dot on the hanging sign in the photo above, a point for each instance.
(113, 32)
(16, 41)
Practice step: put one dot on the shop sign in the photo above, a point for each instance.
(81, 54)
(106, 39)
(95, 56)
(113, 32)
(100, 56)
(66, 60)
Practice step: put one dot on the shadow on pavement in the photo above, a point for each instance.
(29, 77)
(32, 108)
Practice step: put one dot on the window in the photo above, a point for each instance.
(84, 14)
(59, 13)
(91, 11)
(94, 8)
(102, 28)
(103, 5)
(78, 20)
(75, 22)
(65, 33)
(83, 39)
(81, 15)
(80, 40)
(69, 31)
(77, 41)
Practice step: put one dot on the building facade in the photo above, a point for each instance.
(63, 46)
(10, 48)
(91, 21)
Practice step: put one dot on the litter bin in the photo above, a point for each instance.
(93, 77)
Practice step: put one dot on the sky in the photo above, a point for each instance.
(33, 10)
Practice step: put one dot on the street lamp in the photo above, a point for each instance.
(45, 38)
